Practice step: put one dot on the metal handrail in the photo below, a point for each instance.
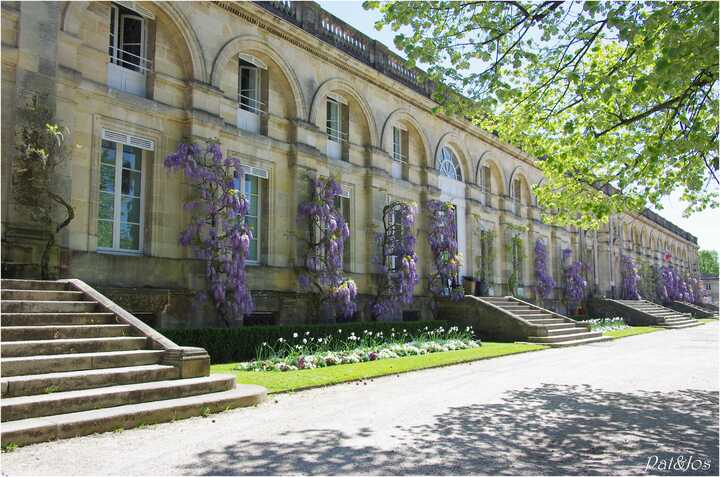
(115, 58)
(336, 134)
(255, 105)
(402, 158)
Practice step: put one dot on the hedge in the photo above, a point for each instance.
(227, 345)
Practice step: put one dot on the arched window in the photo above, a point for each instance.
(448, 165)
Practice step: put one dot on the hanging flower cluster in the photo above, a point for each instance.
(442, 238)
(544, 283)
(397, 264)
(630, 278)
(575, 284)
(323, 272)
(672, 287)
(217, 232)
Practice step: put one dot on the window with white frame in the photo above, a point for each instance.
(250, 103)
(400, 153)
(121, 197)
(342, 204)
(516, 195)
(128, 64)
(448, 165)
(252, 184)
(336, 127)
(486, 183)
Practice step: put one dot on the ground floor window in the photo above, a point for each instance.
(120, 217)
(254, 215)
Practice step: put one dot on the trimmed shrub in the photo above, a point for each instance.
(227, 345)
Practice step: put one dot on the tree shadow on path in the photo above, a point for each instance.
(550, 429)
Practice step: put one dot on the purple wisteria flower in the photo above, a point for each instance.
(217, 232)
(630, 278)
(544, 283)
(575, 284)
(328, 233)
(442, 238)
(396, 263)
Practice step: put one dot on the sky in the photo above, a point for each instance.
(704, 225)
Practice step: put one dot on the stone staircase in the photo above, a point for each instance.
(656, 315)
(75, 363)
(551, 329)
(509, 318)
(696, 311)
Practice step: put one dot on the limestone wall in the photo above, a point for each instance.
(191, 92)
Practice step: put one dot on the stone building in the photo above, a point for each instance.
(289, 89)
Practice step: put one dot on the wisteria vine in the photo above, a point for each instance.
(397, 262)
(544, 283)
(630, 278)
(575, 284)
(323, 273)
(442, 238)
(217, 232)
(672, 287)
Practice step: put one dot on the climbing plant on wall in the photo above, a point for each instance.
(41, 150)
(630, 278)
(574, 284)
(487, 259)
(217, 233)
(516, 256)
(397, 263)
(442, 238)
(323, 273)
(544, 282)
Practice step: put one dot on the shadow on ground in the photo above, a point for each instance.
(551, 429)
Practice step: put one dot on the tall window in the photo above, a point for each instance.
(516, 196)
(253, 216)
(486, 183)
(342, 204)
(253, 185)
(250, 103)
(127, 48)
(448, 165)
(120, 216)
(400, 153)
(336, 118)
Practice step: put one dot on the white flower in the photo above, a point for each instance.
(295, 335)
(304, 341)
(307, 333)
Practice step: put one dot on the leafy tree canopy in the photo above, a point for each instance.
(615, 95)
(709, 262)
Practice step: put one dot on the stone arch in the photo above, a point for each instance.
(452, 140)
(72, 22)
(345, 87)
(519, 173)
(487, 158)
(250, 44)
(403, 114)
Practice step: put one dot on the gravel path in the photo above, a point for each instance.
(605, 408)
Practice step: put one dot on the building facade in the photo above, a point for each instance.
(291, 91)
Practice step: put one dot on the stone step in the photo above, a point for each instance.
(69, 346)
(566, 331)
(39, 429)
(29, 306)
(42, 295)
(87, 379)
(564, 324)
(578, 342)
(534, 315)
(76, 362)
(680, 324)
(546, 321)
(39, 405)
(54, 332)
(580, 335)
(46, 319)
(32, 284)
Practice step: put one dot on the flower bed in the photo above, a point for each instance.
(304, 351)
(607, 324)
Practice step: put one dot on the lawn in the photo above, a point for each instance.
(631, 331)
(707, 320)
(282, 381)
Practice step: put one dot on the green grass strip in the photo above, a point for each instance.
(631, 331)
(707, 320)
(279, 381)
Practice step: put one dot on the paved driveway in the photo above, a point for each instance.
(606, 408)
